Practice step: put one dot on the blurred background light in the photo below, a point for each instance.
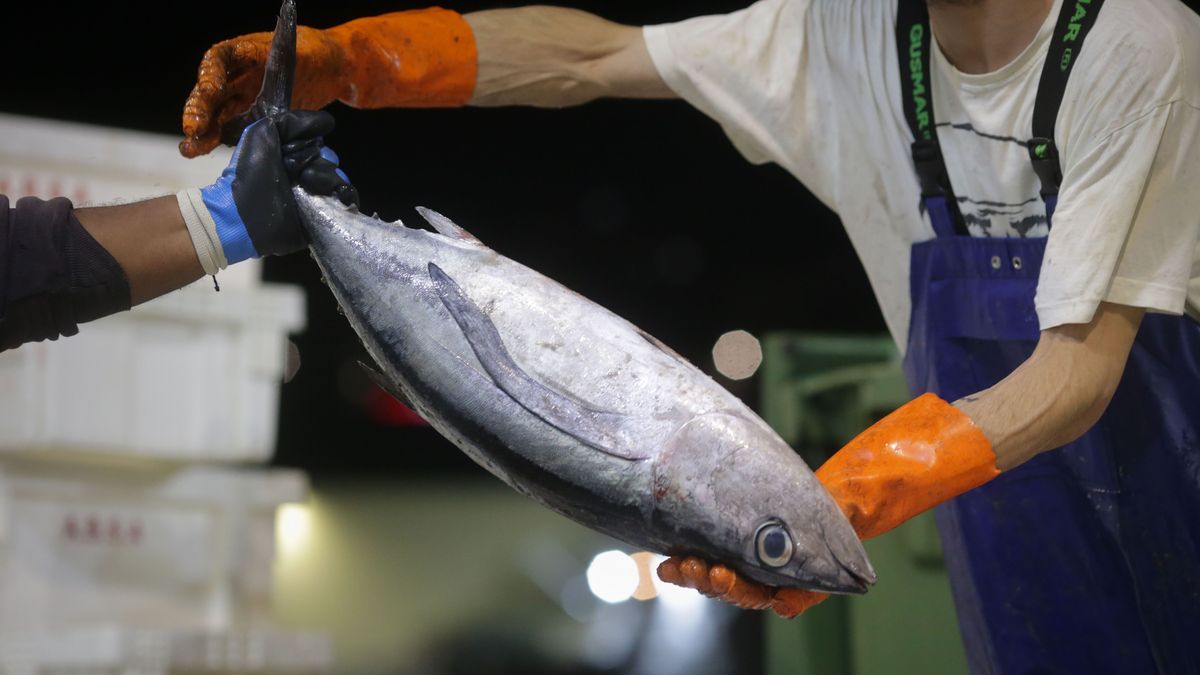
(647, 564)
(612, 576)
(293, 528)
(737, 355)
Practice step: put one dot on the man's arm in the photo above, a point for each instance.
(553, 57)
(249, 209)
(149, 241)
(1056, 395)
(60, 267)
(929, 451)
(539, 56)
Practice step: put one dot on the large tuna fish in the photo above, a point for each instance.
(567, 402)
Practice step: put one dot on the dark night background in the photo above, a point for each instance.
(645, 207)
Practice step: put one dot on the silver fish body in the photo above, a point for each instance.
(575, 407)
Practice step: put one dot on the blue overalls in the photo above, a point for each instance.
(1085, 559)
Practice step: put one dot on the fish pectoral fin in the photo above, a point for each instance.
(596, 429)
(445, 226)
(383, 383)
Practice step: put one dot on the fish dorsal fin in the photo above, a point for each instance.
(594, 428)
(446, 226)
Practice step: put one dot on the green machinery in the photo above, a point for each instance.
(819, 391)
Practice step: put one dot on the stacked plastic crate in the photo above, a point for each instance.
(136, 536)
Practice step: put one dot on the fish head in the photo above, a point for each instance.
(732, 491)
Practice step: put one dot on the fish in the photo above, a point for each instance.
(564, 400)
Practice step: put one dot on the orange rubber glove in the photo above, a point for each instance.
(419, 58)
(924, 453)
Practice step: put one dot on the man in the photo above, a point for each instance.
(60, 266)
(1019, 179)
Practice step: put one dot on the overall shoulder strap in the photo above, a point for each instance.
(913, 44)
(1075, 19)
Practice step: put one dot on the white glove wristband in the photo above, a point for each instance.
(203, 230)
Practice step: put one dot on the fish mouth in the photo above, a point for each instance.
(853, 580)
(848, 581)
(855, 574)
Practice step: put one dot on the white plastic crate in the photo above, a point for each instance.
(140, 545)
(194, 375)
(121, 651)
(112, 560)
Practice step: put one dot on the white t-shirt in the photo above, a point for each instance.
(814, 86)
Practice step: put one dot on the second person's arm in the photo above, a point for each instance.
(553, 57)
(538, 56)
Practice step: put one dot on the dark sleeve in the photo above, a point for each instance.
(53, 274)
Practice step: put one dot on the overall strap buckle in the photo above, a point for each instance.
(937, 196)
(1043, 155)
(931, 168)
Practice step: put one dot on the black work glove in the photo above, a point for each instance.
(252, 203)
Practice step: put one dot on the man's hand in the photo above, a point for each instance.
(165, 243)
(251, 205)
(420, 58)
(722, 583)
(231, 74)
(919, 456)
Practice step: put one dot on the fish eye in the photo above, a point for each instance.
(773, 545)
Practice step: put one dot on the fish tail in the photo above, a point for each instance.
(275, 96)
(280, 76)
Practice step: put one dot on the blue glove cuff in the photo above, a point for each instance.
(235, 239)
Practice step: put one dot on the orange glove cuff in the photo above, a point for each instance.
(422, 58)
(924, 453)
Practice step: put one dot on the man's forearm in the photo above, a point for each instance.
(149, 240)
(1060, 391)
(54, 275)
(555, 57)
